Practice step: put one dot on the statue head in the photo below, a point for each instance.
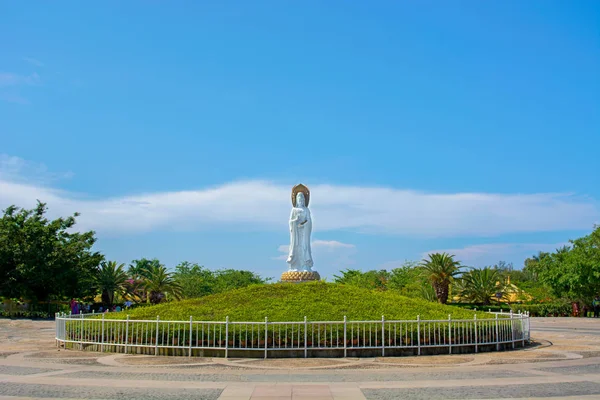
(300, 199)
(297, 190)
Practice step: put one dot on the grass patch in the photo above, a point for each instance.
(318, 301)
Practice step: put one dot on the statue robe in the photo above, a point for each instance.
(300, 257)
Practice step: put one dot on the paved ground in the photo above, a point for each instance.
(565, 364)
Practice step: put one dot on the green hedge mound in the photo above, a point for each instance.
(318, 301)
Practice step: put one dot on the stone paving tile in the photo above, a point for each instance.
(289, 363)
(589, 354)
(153, 376)
(270, 397)
(217, 367)
(388, 376)
(272, 390)
(154, 361)
(72, 361)
(438, 360)
(573, 369)
(312, 397)
(105, 393)
(63, 354)
(14, 370)
(486, 392)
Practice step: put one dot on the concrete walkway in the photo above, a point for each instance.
(565, 363)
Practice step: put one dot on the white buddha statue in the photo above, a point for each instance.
(300, 257)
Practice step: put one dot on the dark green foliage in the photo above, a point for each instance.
(159, 284)
(441, 269)
(318, 301)
(407, 280)
(197, 281)
(227, 279)
(556, 309)
(138, 269)
(376, 280)
(111, 279)
(42, 259)
(480, 286)
(26, 314)
(572, 272)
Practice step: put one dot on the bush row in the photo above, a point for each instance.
(26, 314)
(562, 309)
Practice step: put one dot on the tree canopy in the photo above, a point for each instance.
(42, 259)
(572, 271)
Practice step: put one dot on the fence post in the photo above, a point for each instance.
(190, 339)
(497, 336)
(345, 337)
(449, 334)
(81, 332)
(418, 335)
(382, 336)
(126, 333)
(475, 328)
(305, 337)
(522, 330)
(512, 329)
(102, 340)
(227, 336)
(156, 339)
(266, 334)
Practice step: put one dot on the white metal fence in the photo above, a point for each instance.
(343, 337)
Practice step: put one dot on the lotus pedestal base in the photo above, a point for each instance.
(300, 276)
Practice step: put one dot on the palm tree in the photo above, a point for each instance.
(440, 270)
(138, 268)
(481, 285)
(111, 279)
(159, 283)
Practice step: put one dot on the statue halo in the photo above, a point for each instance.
(300, 188)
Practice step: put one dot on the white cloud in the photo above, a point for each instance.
(16, 169)
(481, 255)
(13, 98)
(331, 245)
(265, 205)
(10, 79)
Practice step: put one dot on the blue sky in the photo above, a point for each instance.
(178, 128)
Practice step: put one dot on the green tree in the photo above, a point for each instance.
(195, 280)
(572, 272)
(374, 279)
(111, 279)
(347, 276)
(228, 279)
(138, 269)
(159, 284)
(42, 259)
(480, 286)
(410, 281)
(405, 276)
(441, 269)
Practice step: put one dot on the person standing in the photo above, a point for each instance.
(74, 306)
(596, 304)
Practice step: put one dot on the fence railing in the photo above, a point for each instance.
(131, 336)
